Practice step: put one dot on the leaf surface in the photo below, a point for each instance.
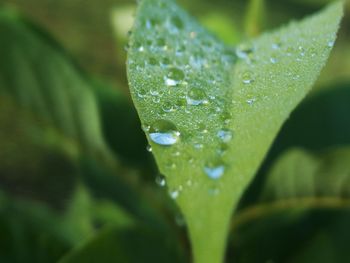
(211, 111)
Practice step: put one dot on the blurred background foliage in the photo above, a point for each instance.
(76, 181)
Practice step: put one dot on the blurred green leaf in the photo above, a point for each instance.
(36, 74)
(255, 18)
(32, 232)
(132, 245)
(32, 164)
(301, 213)
(203, 109)
(320, 122)
(121, 126)
(39, 80)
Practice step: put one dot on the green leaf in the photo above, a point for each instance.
(132, 245)
(255, 17)
(30, 158)
(126, 139)
(210, 116)
(38, 77)
(303, 208)
(320, 122)
(35, 73)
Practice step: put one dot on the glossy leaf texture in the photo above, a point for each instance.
(210, 111)
(303, 208)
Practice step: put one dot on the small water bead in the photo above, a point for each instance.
(330, 43)
(229, 56)
(163, 132)
(214, 169)
(151, 23)
(168, 107)
(225, 135)
(196, 96)
(174, 194)
(145, 127)
(244, 51)
(154, 92)
(193, 34)
(149, 148)
(156, 99)
(202, 128)
(222, 149)
(160, 42)
(174, 76)
(170, 165)
(189, 183)
(198, 146)
(160, 180)
(176, 154)
(141, 93)
(251, 101)
(152, 61)
(247, 77)
(177, 22)
(165, 62)
(273, 60)
(276, 45)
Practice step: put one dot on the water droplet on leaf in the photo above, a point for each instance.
(196, 96)
(164, 133)
(224, 135)
(214, 169)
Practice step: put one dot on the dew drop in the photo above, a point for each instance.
(251, 101)
(193, 34)
(149, 148)
(141, 93)
(189, 183)
(225, 135)
(174, 76)
(244, 51)
(156, 99)
(214, 169)
(198, 146)
(174, 194)
(222, 149)
(164, 132)
(152, 61)
(273, 60)
(160, 180)
(154, 92)
(177, 22)
(330, 43)
(171, 165)
(196, 96)
(168, 107)
(247, 77)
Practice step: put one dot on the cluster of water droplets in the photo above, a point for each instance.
(181, 80)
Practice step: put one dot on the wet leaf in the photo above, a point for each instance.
(210, 111)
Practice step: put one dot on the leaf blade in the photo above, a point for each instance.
(218, 115)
